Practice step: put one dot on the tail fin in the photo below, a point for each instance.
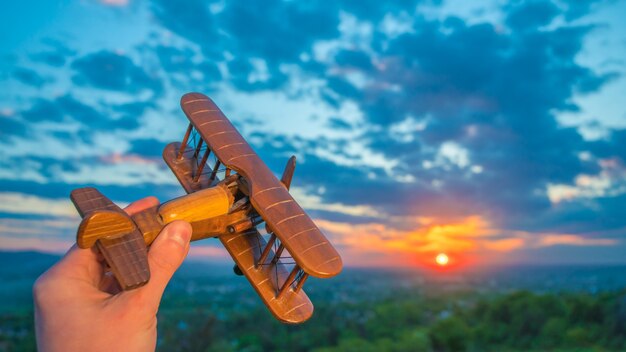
(288, 173)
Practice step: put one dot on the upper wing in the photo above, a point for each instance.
(297, 232)
(245, 248)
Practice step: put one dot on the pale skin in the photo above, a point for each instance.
(78, 307)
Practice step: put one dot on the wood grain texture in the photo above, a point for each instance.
(245, 248)
(203, 204)
(288, 172)
(185, 168)
(229, 209)
(271, 199)
(114, 234)
(102, 224)
(127, 257)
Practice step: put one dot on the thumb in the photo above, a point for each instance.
(166, 254)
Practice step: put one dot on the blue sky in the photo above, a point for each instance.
(491, 131)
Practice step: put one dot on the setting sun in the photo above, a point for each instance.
(442, 259)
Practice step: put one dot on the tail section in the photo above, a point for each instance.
(114, 233)
(288, 173)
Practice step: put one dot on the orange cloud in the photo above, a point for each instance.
(459, 239)
(458, 236)
(573, 240)
(468, 240)
(504, 245)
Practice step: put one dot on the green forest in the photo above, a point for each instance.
(207, 308)
(517, 321)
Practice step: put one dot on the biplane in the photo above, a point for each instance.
(230, 193)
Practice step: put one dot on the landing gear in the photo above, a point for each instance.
(237, 271)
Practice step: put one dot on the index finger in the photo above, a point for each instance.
(142, 204)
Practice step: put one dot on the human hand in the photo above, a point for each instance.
(78, 307)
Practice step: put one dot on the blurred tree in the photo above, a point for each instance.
(449, 334)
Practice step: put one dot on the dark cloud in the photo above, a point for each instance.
(109, 70)
(174, 59)
(240, 70)
(67, 108)
(193, 20)
(278, 31)
(580, 8)
(30, 77)
(61, 190)
(147, 147)
(374, 11)
(354, 59)
(51, 58)
(339, 124)
(493, 93)
(614, 145)
(275, 32)
(128, 116)
(10, 126)
(531, 14)
(55, 55)
(43, 110)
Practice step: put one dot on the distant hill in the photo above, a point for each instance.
(18, 272)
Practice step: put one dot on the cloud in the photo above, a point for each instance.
(505, 245)
(45, 245)
(531, 14)
(151, 148)
(204, 252)
(574, 240)
(114, 2)
(29, 77)
(67, 107)
(19, 203)
(395, 115)
(11, 127)
(55, 53)
(113, 71)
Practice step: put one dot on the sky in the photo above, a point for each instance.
(492, 131)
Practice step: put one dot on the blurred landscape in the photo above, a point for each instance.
(518, 308)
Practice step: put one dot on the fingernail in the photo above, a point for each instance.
(180, 232)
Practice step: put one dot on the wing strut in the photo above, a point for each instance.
(214, 173)
(279, 251)
(205, 157)
(266, 251)
(184, 144)
(288, 282)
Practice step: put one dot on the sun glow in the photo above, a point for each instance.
(442, 259)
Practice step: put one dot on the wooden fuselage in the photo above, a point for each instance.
(208, 211)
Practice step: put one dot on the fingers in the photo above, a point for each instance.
(166, 254)
(142, 204)
(81, 264)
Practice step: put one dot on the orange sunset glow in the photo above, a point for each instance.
(438, 243)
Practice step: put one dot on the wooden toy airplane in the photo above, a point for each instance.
(227, 200)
